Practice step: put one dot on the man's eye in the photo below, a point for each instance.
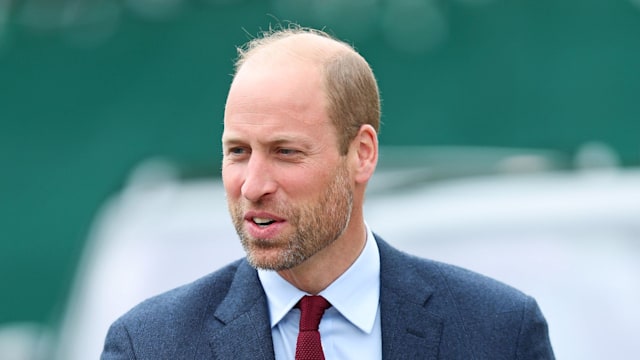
(287, 152)
(237, 151)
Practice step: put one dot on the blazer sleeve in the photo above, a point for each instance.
(118, 345)
(533, 339)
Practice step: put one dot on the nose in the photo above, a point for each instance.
(258, 181)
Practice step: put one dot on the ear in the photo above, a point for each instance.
(364, 150)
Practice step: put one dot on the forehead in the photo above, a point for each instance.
(276, 91)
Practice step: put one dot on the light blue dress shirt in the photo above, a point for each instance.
(350, 328)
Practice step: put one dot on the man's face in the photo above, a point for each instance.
(289, 191)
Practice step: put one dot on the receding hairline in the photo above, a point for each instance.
(348, 84)
(304, 44)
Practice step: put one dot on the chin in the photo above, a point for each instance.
(267, 259)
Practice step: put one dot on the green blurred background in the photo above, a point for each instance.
(90, 88)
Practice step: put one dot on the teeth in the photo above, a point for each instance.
(262, 221)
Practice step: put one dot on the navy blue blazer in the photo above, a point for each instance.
(429, 310)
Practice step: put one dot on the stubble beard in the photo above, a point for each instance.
(316, 226)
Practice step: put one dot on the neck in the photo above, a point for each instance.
(319, 271)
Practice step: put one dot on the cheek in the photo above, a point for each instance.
(232, 181)
(305, 183)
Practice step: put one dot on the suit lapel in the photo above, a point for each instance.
(246, 333)
(409, 330)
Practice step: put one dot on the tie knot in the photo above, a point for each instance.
(311, 310)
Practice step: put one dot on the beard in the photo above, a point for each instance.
(315, 225)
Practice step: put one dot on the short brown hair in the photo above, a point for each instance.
(350, 86)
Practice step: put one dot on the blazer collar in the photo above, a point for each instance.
(245, 333)
(409, 330)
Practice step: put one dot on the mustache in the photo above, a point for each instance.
(267, 204)
(278, 208)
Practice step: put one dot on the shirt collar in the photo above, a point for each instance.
(361, 281)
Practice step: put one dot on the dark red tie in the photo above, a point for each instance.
(309, 346)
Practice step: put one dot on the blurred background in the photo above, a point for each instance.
(493, 99)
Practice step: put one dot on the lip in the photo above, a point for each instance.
(249, 215)
(263, 232)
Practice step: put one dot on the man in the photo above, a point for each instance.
(299, 146)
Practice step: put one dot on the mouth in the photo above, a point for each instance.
(262, 219)
(264, 225)
(262, 222)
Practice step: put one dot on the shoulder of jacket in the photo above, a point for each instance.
(185, 301)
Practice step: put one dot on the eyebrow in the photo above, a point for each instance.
(277, 140)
